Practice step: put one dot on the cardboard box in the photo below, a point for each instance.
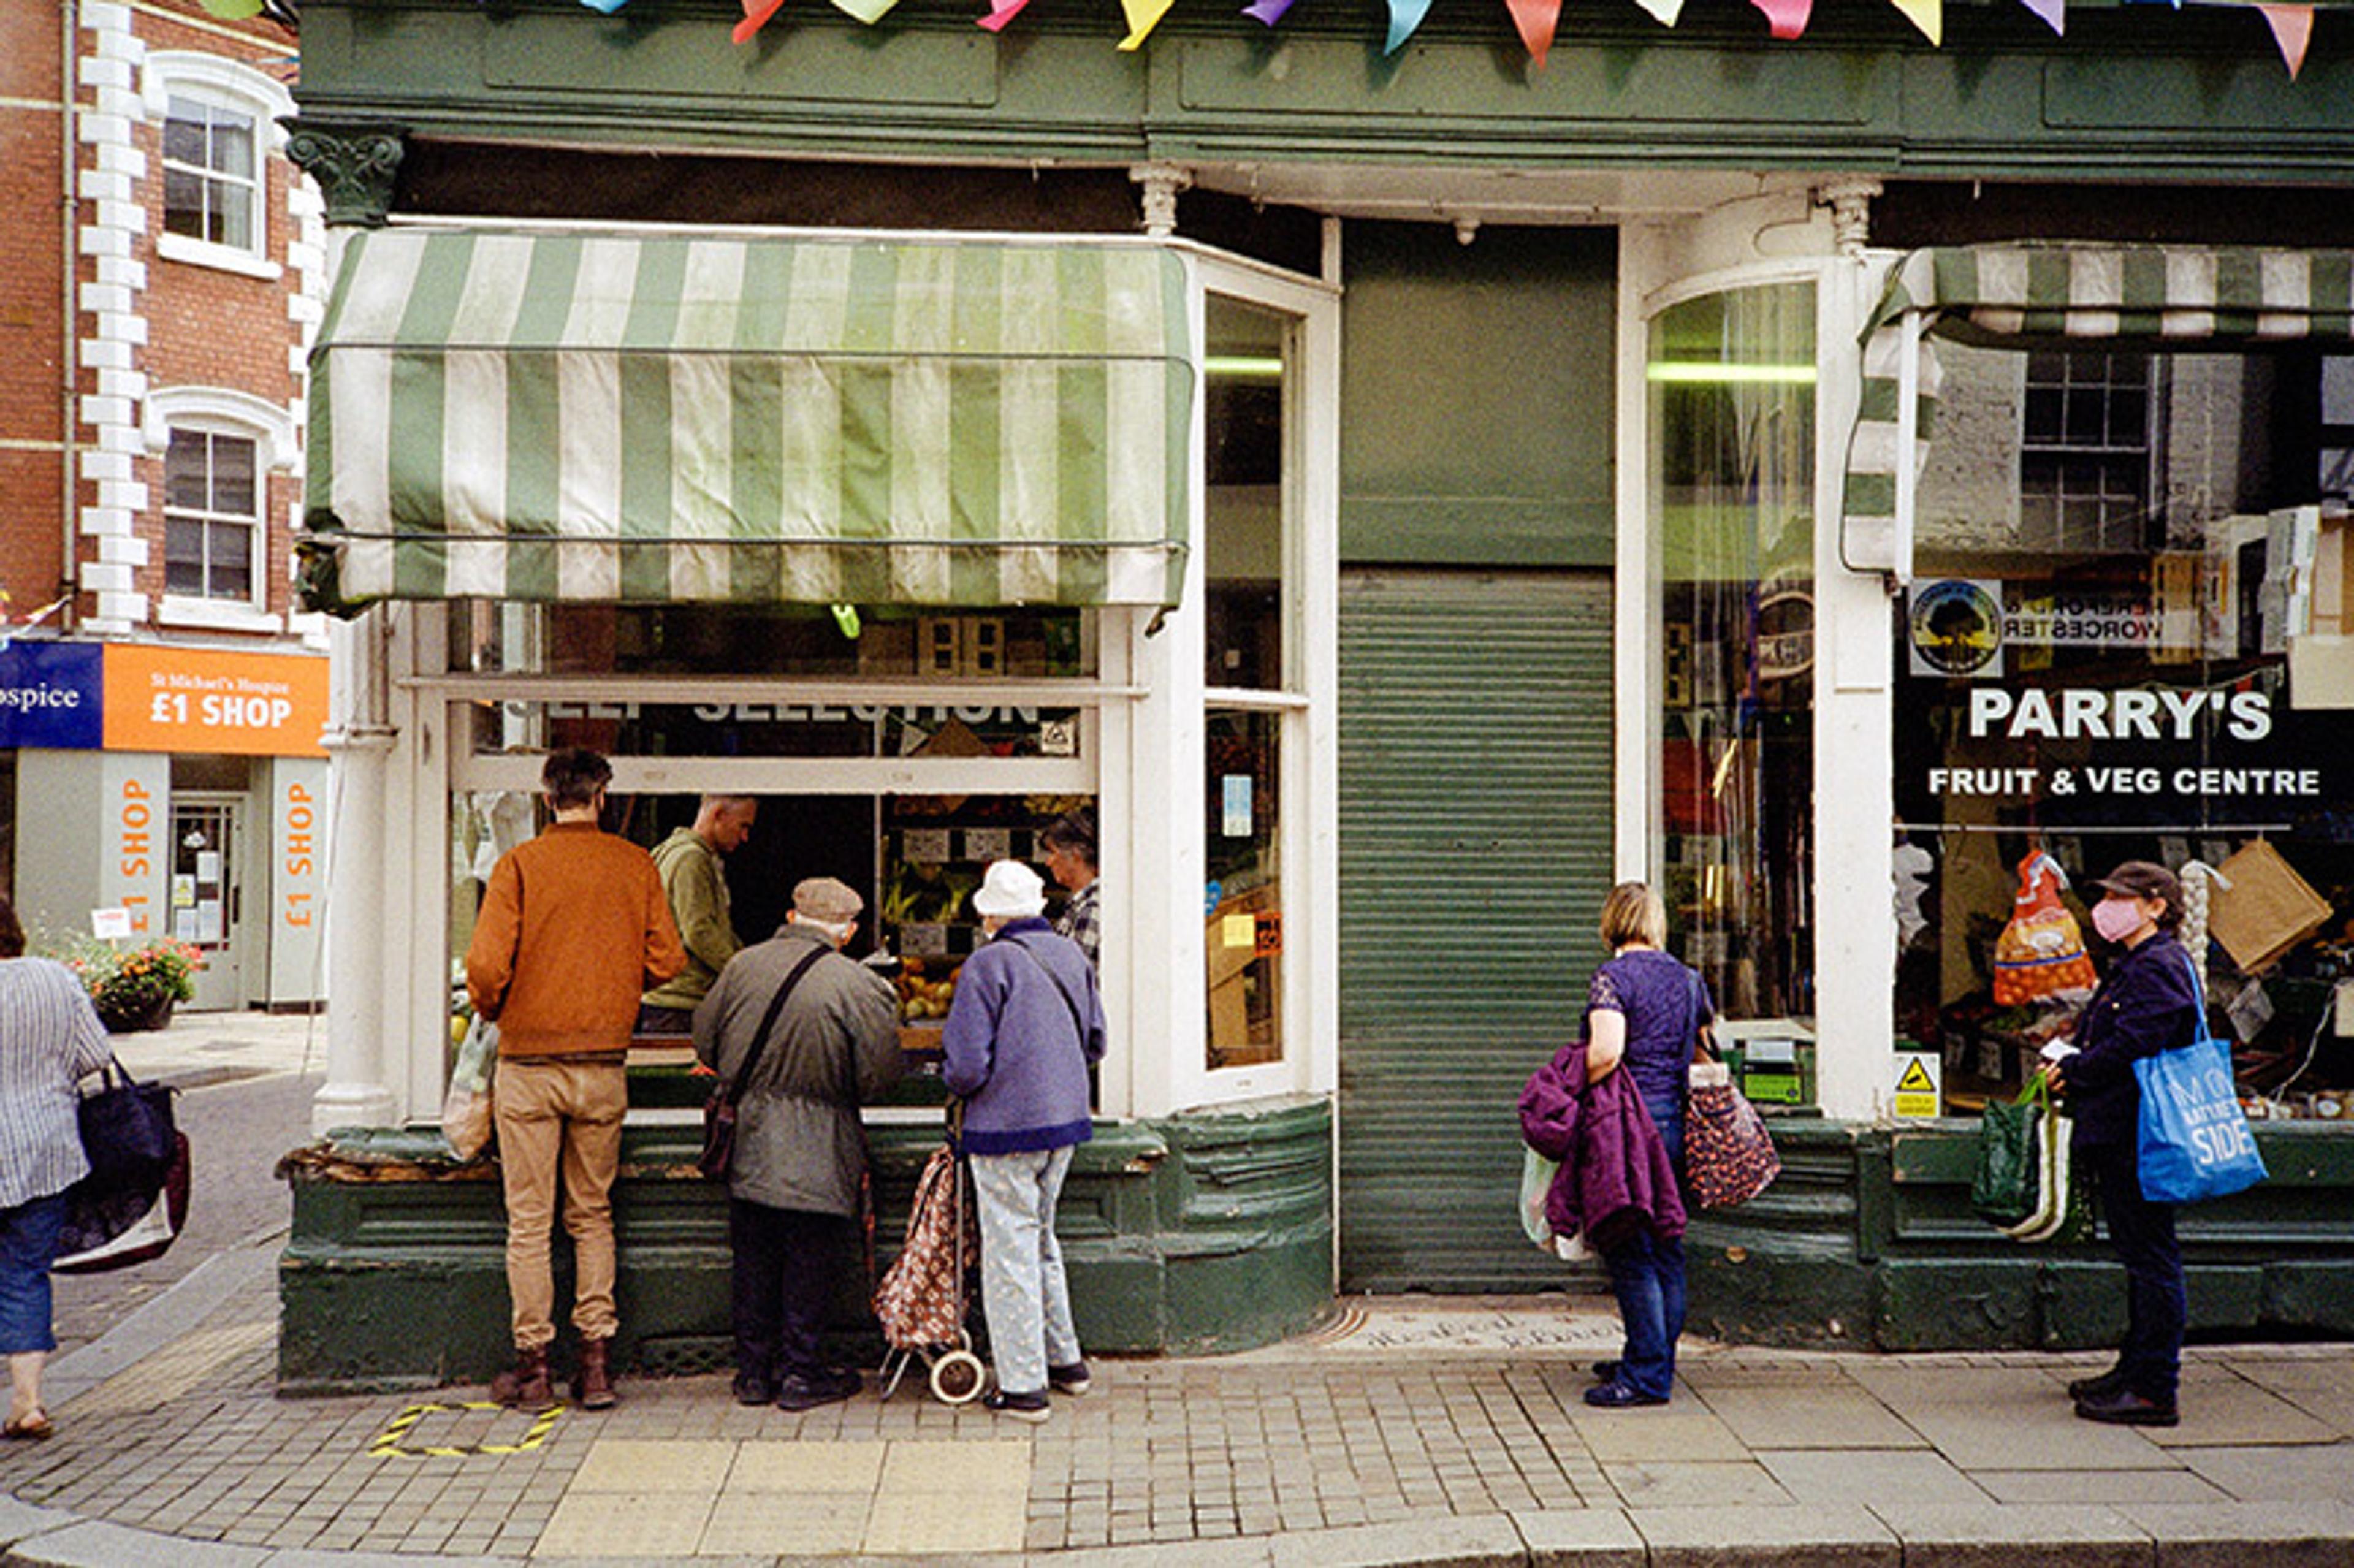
(2267, 909)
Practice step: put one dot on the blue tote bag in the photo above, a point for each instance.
(2195, 1142)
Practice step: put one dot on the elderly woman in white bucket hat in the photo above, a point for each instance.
(1025, 1026)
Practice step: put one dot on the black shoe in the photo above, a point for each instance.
(2127, 1408)
(1030, 1407)
(1072, 1379)
(1605, 1372)
(753, 1389)
(829, 1387)
(2110, 1382)
(1619, 1397)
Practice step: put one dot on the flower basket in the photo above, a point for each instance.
(136, 987)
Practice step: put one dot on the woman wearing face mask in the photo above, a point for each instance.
(2148, 1003)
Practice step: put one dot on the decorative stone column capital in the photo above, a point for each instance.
(354, 164)
(1851, 204)
(1163, 184)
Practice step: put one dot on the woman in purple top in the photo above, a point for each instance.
(1641, 1013)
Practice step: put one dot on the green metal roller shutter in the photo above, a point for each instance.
(1475, 851)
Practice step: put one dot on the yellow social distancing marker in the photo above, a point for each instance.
(386, 1444)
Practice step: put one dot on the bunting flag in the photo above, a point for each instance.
(2293, 31)
(1929, 15)
(1787, 18)
(1537, 20)
(755, 16)
(1143, 16)
(234, 10)
(2054, 14)
(867, 11)
(1267, 11)
(1664, 11)
(606, 7)
(1405, 16)
(1001, 12)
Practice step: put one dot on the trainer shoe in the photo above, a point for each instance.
(1071, 1380)
(2108, 1383)
(2127, 1408)
(1030, 1407)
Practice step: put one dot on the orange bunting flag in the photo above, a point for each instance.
(1536, 20)
(1929, 15)
(755, 16)
(1786, 18)
(1001, 12)
(2293, 31)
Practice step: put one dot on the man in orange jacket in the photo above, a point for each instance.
(573, 929)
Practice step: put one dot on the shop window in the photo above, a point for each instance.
(2334, 465)
(1243, 539)
(213, 189)
(2128, 683)
(1732, 414)
(213, 495)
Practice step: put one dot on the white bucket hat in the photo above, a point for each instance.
(1009, 890)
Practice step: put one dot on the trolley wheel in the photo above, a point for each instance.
(958, 1378)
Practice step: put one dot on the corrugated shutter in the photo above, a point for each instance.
(1475, 851)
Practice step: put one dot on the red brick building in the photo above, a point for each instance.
(158, 289)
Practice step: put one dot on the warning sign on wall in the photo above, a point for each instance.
(1919, 1078)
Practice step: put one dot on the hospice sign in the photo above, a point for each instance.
(203, 700)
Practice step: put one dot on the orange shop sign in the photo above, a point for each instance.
(201, 699)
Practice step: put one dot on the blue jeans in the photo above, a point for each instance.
(2157, 1308)
(1646, 1274)
(28, 1244)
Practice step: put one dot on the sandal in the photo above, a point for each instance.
(35, 1428)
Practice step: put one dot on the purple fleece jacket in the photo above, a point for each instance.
(1615, 1172)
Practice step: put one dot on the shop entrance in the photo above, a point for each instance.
(208, 888)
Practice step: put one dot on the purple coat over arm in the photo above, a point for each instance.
(1614, 1171)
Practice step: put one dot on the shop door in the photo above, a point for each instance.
(207, 847)
(1475, 726)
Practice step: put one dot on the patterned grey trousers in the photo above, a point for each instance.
(1022, 1284)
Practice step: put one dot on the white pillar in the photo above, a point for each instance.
(359, 758)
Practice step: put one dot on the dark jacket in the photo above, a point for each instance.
(799, 1143)
(1615, 1175)
(1014, 1048)
(2146, 1005)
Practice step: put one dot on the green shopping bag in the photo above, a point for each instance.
(2064, 1207)
(2005, 1189)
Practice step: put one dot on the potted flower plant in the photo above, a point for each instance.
(135, 986)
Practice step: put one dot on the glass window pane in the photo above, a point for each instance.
(230, 570)
(2087, 423)
(233, 476)
(184, 204)
(2337, 389)
(184, 555)
(2043, 414)
(1245, 933)
(184, 131)
(232, 143)
(1244, 512)
(186, 481)
(2129, 417)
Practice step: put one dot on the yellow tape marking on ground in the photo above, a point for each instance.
(386, 1444)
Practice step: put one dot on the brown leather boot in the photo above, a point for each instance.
(525, 1386)
(594, 1387)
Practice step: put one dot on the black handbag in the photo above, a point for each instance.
(719, 1111)
(127, 1130)
(115, 1227)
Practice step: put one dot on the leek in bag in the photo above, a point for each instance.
(466, 1110)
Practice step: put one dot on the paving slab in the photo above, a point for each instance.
(640, 1466)
(2221, 1413)
(949, 1521)
(2333, 1408)
(828, 1523)
(2098, 1487)
(2029, 1535)
(2277, 1475)
(1808, 1415)
(1489, 1541)
(2248, 1535)
(307, 1559)
(624, 1524)
(1839, 1536)
(96, 1544)
(1862, 1477)
(845, 1465)
(1656, 1432)
(1248, 1552)
(1905, 1385)
(18, 1520)
(2031, 1436)
(1580, 1538)
(1668, 1483)
(2283, 1376)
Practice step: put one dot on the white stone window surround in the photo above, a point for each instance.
(226, 84)
(277, 448)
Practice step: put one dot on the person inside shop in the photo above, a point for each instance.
(1069, 843)
(50, 1039)
(2148, 1002)
(573, 929)
(1025, 1027)
(821, 1032)
(697, 885)
(1643, 1009)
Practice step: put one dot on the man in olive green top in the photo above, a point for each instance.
(697, 890)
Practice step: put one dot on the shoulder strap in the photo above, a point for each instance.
(769, 1021)
(1703, 1047)
(1077, 1022)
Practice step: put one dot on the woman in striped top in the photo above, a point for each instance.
(50, 1039)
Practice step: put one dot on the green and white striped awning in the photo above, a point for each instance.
(667, 418)
(2191, 298)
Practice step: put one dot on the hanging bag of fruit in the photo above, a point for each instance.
(2040, 954)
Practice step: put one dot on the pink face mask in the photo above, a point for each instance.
(2116, 918)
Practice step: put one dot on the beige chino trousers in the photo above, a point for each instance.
(559, 1116)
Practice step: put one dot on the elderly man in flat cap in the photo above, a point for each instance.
(831, 1044)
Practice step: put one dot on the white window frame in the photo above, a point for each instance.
(222, 411)
(223, 84)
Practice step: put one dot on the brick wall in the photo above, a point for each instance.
(32, 344)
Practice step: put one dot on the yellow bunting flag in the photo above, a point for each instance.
(1536, 20)
(1143, 16)
(2293, 31)
(1929, 15)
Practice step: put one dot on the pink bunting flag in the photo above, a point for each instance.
(2054, 14)
(1787, 18)
(1267, 11)
(2293, 31)
(1001, 12)
(1537, 20)
(755, 16)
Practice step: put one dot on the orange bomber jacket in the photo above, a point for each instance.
(573, 929)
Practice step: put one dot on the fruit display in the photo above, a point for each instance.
(923, 995)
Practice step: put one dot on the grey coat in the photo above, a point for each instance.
(799, 1140)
